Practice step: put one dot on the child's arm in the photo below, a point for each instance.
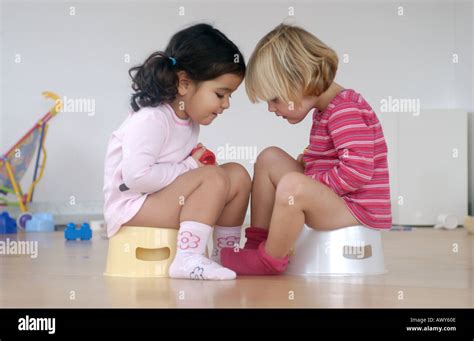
(354, 141)
(142, 144)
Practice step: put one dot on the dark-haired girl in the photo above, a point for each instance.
(151, 178)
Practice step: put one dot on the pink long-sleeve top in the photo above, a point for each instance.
(145, 154)
(348, 153)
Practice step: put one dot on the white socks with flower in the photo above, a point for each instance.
(225, 237)
(190, 261)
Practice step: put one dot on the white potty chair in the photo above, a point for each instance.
(353, 250)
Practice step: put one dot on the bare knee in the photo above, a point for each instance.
(217, 179)
(269, 156)
(290, 189)
(239, 177)
(275, 162)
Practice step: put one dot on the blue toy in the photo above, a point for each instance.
(82, 233)
(40, 222)
(7, 223)
(23, 218)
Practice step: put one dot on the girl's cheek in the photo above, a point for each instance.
(284, 110)
(287, 109)
(213, 101)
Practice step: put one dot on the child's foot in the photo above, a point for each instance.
(224, 237)
(255, 235)
(196, 266)
(253, 262)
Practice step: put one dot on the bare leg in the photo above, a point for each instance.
(300, 199)
(237, 199)
(227, 232)
(271, 165)
(195, 201)
(198, 195)
(208, 195)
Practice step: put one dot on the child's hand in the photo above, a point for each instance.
(205, 157)
(198, 153)
(301, 161)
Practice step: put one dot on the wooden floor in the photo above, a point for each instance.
(424, 270)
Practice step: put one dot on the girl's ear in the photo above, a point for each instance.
(184, 83)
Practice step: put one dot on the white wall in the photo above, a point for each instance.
(82, 56)
(471, 163)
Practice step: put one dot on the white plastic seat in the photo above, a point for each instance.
(353, 250)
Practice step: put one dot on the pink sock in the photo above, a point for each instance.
(253, 262)
(255, 235)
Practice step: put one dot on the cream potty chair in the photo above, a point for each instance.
(137, 251)
(353, 250)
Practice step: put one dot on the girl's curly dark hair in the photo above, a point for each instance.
(202, 51)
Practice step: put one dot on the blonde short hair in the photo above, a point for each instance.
(287, 63)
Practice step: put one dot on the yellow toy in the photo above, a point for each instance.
(14, 163)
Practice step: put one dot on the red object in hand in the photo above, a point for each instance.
(207, 158)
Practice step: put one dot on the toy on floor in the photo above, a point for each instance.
(40, 222)
(469, 224)
(82, 233)
(14, 163)
(7, 223)
(446, 221)
(207, 158)
(23, 218)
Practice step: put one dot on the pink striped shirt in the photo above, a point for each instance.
(347, 152)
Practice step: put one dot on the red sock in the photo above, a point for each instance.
(255, 235)
(253, 262)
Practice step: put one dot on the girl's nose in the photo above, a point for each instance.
(226, 104)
